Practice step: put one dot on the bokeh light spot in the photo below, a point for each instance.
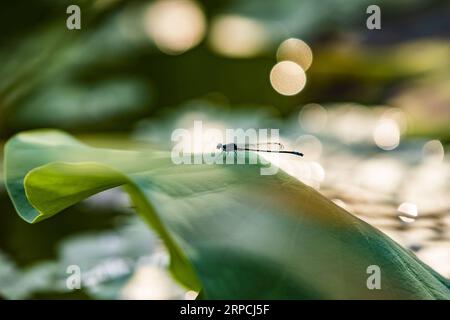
(433, 151)
(313, 117)
(175, 25)
(237, 36)
(297, 51)
(387, 134)
(287, 78)
(408, 212)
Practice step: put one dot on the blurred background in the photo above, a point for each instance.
(369, 108)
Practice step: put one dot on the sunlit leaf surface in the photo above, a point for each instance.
(230, 232)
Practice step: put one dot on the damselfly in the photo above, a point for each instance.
(258, 147)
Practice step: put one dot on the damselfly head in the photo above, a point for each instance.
(219, 146)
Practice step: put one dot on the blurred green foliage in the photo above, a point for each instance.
(109, 74)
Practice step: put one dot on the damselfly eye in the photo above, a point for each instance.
(219, 146)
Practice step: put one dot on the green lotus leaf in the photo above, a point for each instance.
(230, 231)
